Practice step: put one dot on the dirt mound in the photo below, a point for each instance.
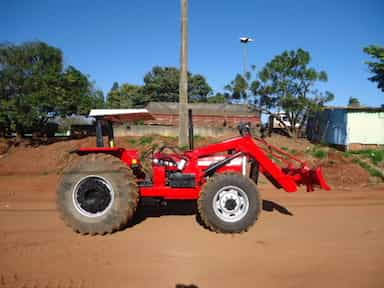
(340, 171)
(3, 148)
(289, 144)
(346, 175)
(42, 159)
(53, 158)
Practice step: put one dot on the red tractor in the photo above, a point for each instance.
(100, 192)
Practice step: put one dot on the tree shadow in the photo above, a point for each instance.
(186, 286)
(187, 208)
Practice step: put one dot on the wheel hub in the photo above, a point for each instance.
(230, 203)
(93, 196)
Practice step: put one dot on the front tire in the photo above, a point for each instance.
(229, 203)
(97, 195)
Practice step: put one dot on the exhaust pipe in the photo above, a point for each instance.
(190, 125)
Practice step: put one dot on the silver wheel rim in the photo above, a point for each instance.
(102, 181)
(230, 204)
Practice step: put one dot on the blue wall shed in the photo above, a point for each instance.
(329, 126)
(350, 127)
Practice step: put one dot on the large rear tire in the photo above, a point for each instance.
(229, 203)
(97, 195)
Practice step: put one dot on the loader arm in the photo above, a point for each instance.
(287, 178)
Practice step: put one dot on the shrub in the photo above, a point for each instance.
(132, 141)
(146, 140)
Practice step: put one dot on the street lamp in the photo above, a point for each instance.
(245, 41)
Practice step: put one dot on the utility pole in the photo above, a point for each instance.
(183, 86)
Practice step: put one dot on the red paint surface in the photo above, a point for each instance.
(287, 178)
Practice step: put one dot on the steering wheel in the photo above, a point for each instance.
(154, 150)
(244, 128)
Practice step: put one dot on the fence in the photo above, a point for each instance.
(172, 131)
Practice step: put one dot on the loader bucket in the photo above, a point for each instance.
(316, 177)
(308, 177)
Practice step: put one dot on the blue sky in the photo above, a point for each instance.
(122, 40)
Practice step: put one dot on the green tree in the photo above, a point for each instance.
(377, 67)
(162, 84)
(288, 83)
(244, 89)
(33, 82)
(353, 102)
(97, 97)
(125, 96)
(198, 88)
(27, 75)
(133, 95)
(239, 87)
(74, 97)
(113, 96)
(285, 83)
(218, 98)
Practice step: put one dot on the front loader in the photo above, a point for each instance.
(101, 191)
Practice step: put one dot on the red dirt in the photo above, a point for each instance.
(332, 239)
(299, 144)
(42, 159)
(342, 172)
(4, 147)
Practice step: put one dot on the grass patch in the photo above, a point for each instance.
(132, 141)
(145, 140)
(348, 154)
(154, 146)
(376, 156)
(184, 148)
(275, 159)
(320, 154)
(284, 148)
(372, 170)
(294, 151)
(198, 138)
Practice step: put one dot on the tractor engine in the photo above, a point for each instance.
(179, 173)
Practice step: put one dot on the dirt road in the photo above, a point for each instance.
(322, 239)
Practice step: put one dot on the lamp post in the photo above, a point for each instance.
(245, 41)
